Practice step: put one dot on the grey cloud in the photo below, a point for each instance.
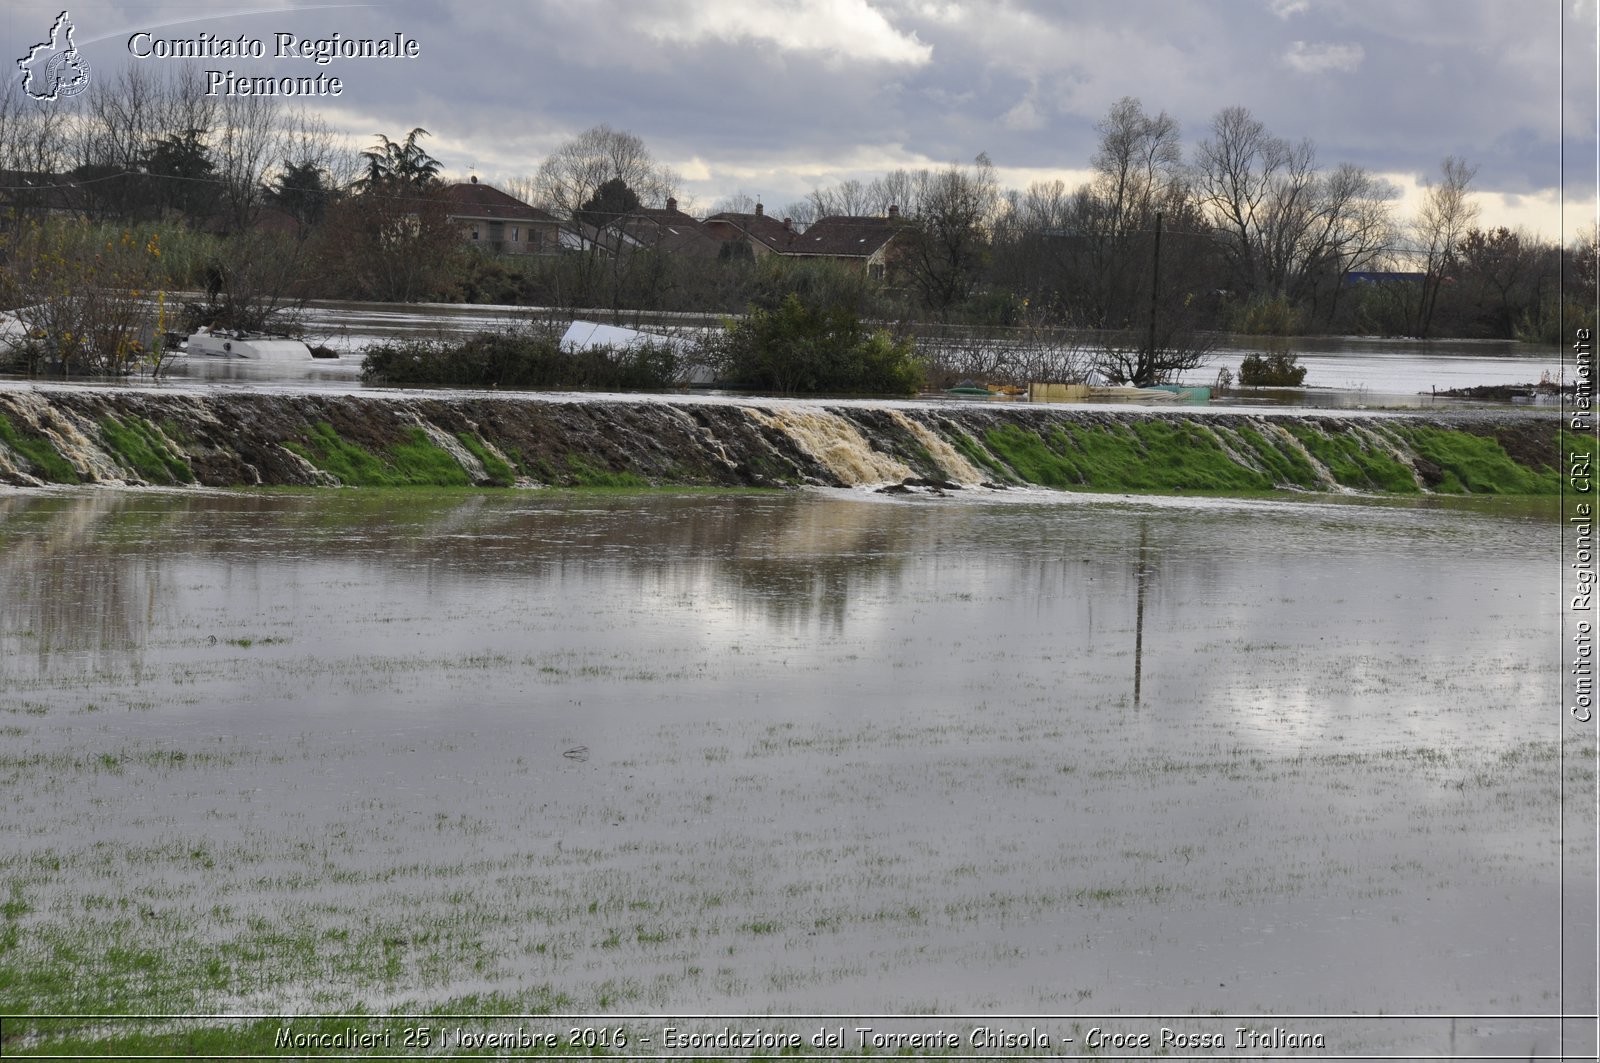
(1392, 88)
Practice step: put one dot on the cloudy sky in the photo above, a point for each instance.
(772, 98)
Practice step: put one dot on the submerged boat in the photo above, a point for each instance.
(991, 391)
(256, 345)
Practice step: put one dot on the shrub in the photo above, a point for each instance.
(81, 299)
(1279, 370)
(526, 358)
(1267, 316)
(804, 346)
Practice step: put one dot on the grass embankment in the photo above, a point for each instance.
(418, 461)
(1193, 456)
(140, 445)
(39, 458)
(152, 452)
(1145, 453)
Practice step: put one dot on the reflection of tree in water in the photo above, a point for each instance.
(80, 574)
(87, 572)
(825, 556)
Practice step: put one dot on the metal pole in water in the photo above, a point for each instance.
(1138, 624)
(1155, 286)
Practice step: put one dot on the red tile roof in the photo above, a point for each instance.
(475, 200)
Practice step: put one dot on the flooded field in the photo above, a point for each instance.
(1342, 371)
(802, 752)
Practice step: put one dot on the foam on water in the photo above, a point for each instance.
(836, 443)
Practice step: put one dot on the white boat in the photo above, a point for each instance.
(254, 345)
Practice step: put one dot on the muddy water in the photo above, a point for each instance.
(1342, 371)
(818, 751)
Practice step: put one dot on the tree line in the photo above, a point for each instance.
(1241, 230)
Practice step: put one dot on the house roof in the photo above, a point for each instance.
(762, 227)
(487, 203)
(666, 229)
(846, 236)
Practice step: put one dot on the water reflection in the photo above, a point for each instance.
(102, 574)
(941, 750)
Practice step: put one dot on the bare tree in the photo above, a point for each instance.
(897, 188)
(738, 203)
(1354, 229)
(1126, 356)
(802, 212)
(521, 187)
(848, 197)
(1138, 175)
(1286, 228)
(123, 124)
(1437, 232)
(246, 143)
(1237, 171)
(389, 245)
(602, 165)
(33, 135)
(1138, 164)
(1044, 205)
(574, 172)
(950, 224)
(308, 140)
(33, 140)
(315, 167)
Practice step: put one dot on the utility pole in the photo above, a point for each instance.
(1155, 286)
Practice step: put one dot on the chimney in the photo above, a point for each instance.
(760, 210)
(672, 204)
(788, 225)
(894, 211)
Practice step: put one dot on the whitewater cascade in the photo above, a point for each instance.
(59, 434)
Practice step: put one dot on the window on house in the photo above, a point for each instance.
(514, 237)
(474, 232)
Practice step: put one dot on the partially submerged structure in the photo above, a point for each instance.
(592, 335)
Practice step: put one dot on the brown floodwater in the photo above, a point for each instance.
(812, 752)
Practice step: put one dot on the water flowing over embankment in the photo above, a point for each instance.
(69, 435)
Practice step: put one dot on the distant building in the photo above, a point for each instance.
(495, 221)
(864, 243)
(762, 234)
(33, 192)
(665, 229)
(1378, 277)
